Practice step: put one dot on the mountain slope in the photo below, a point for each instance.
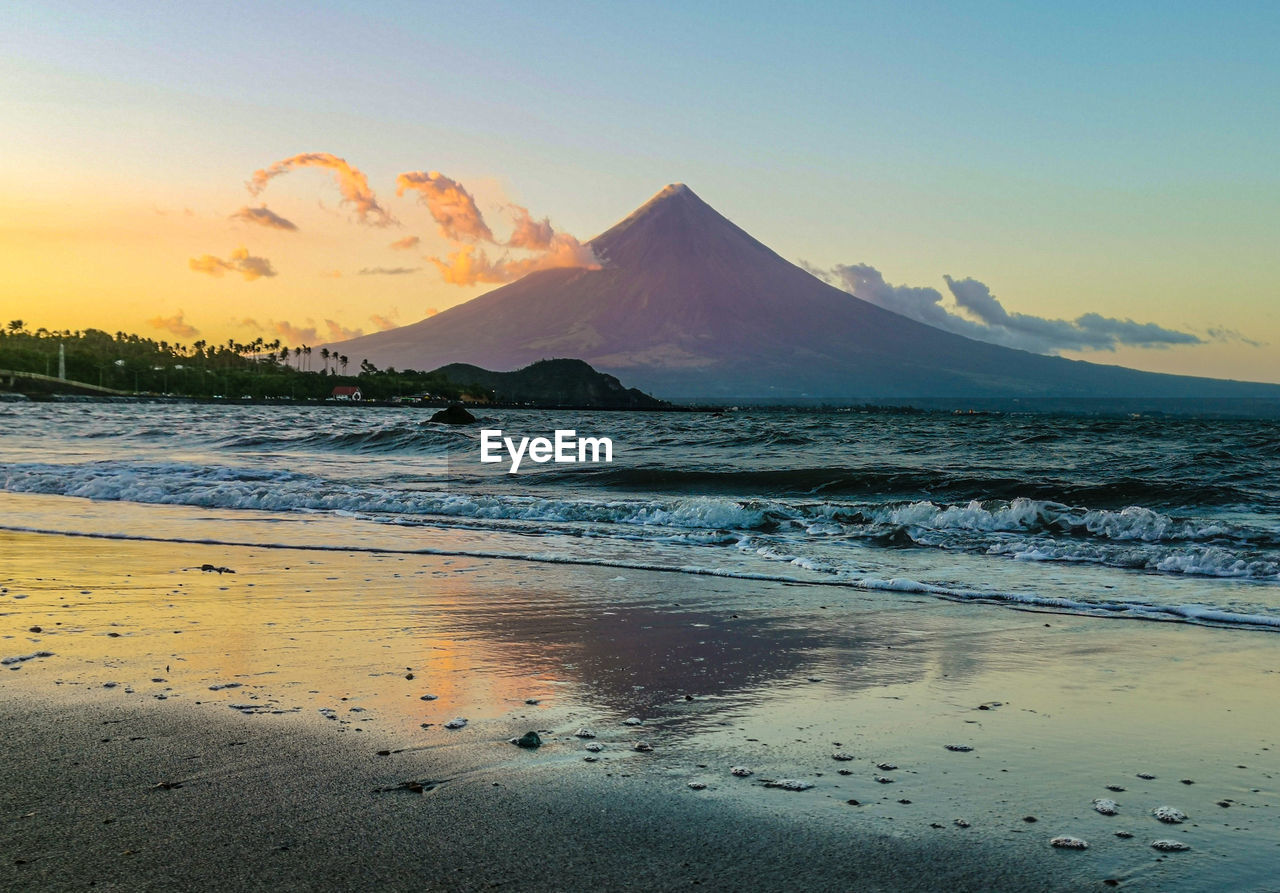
(687, 304)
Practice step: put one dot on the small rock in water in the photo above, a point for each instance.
(959, 748)
(1169, 815)
(697, 786)
(961, 823)
(1105, 807)
(529, 740)
(1030, 819)
(532, 702)
(643, 747)
(1225, 804)
(1169, 846)
(428, 697)
(632, 721)
(1146, 775)
(457, 723)
(886, 767)
(844, 771)
(789, 784)
(584, 733)
(1116, 788)
(590, 759)
(740, 771)
(1069, 843)
(1124, 835)
(1187, 781)
(880, 779)
(814, 679)
(594, 747)
(841, 756)
(110, 684)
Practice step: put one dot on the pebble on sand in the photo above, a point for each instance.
(1069, 843)
(528, 740)
(594, 747)
(1104, 806)
(633, 721)
(584, 733)
(428, 697)
(697, 786)
(841, 756)
(456, 723)
(958, 748)
(643, 747)
(886, 767)
(1169, 846)
(1124, 835)
(1146, 776)
(740, 771)
(1169, 815)
(881, 779)
(789, 784)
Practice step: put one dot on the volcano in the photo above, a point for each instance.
(687, 305)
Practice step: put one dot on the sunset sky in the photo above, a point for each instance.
(1117, 159)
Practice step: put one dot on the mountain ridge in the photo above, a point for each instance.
(686, 304)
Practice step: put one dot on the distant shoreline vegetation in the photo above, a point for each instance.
(98, 363)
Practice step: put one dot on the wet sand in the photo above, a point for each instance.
(280, 710)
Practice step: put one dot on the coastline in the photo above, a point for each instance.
(1055, 707)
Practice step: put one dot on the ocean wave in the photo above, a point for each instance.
(1209, 615)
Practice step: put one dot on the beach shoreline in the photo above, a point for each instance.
(319, 661)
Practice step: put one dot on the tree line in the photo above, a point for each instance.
(258, 369)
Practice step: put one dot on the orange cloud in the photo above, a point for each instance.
(449, 203)
(535, 235)
(295, 334)
(382, 322)
(340, 333)
(432, 311)
(406, 244)
(264, 216)
(241, 261)
(470, 264)
(176, 324)
(352, 183)
(467, 266)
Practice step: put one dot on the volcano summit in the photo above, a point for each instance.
(686, 304)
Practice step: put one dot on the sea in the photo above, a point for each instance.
(1119, 518)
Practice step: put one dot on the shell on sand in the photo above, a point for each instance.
(456, 723)
(1169, 815)
(789, 784)
(1069, 843)
(841, 756)
(1105, 807)
(882, 779)
(584, 733)
(595, 748)
(1170, 846)
(740, 771)
(632, 721)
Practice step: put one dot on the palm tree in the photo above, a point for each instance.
(307, 353)
(343, 360)
(297, 358)
(16, 326)
(324, 352)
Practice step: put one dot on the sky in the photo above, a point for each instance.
(1097, 180)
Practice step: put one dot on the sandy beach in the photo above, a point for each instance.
(285, 726)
